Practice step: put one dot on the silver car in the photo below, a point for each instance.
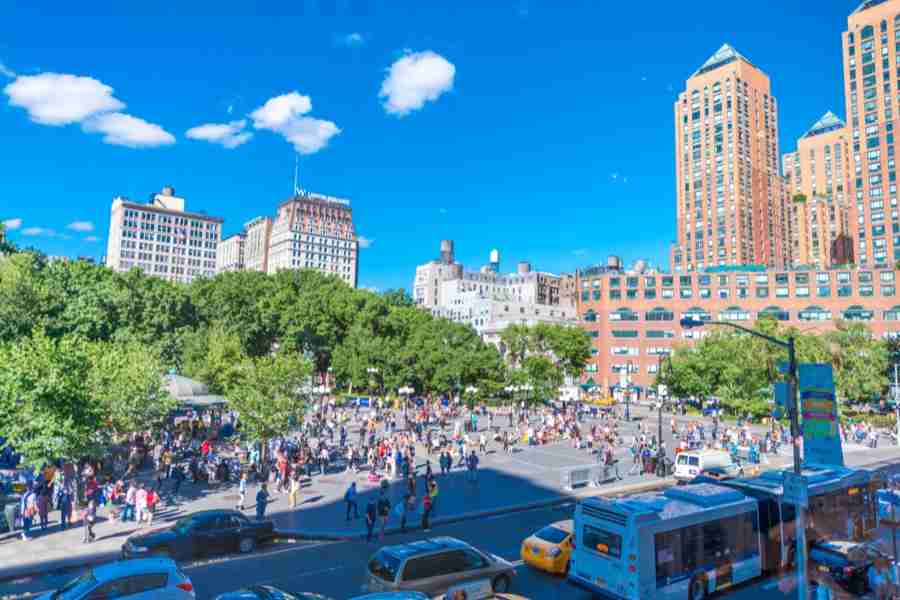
(435, 565)
(139, 579)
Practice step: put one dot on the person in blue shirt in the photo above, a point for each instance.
(262, 499)
(472, 464)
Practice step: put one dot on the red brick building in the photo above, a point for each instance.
(633, 318)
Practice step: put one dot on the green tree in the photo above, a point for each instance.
(126, 382)
(214, 356)
(860, 362)
(49, 411)
(269, 395)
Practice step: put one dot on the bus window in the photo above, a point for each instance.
(691, 548)
(601, 541)
(714, 543)
(668, 557)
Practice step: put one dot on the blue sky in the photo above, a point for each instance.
(542, 128)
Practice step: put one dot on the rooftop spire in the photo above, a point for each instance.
(724, 55)
(828, 122)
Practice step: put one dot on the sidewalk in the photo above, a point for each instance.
(527, 479)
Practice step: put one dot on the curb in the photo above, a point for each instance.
(331, 536)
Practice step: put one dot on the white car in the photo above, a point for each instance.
(138, 579)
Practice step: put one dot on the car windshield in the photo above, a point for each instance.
(384, 566)
(552, 534)
(183, 525)
(76, 588)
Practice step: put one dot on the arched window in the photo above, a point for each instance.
(624, 314)
(893, 313)
(590, 315)
(696, 313)
(867, 32)
(814, 313)
(734, 313)
(774, 312)
(659, 314)
(858, 313)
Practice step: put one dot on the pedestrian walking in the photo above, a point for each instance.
(128, 510)
(88, 515)
(140, 504)
(262, 499)
(406, 507)
(43, 506)
(384, 513)
(28, 510)
(294, 490)
(152, 503)
(433, 494)
(350, 499)
(426, 512)
(242, 491)
(472, 465)
(371, 517)
(65, 507)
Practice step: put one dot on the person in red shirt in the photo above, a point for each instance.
(204, 448)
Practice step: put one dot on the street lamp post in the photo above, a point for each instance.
(793, 409)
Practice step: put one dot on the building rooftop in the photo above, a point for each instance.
(828, 122)
(723, 56)
(867, 5)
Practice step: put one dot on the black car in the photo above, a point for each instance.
(200, 534)
(267, 592)
(846, 562)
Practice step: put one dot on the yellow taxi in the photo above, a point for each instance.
(550, 548)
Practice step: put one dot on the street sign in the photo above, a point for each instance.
(662, 391)
(821, 438)
(781, 395)
(796, 489)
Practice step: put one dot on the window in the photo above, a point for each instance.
(823, 291)
(472, 560)
(858, 313)
(686, 292)
(660, 333)
(624, 314)
(649, 294)
(615, 295)
(631, 282)
(624, 333)
(685, 281)
(865, 276)
(590, 316)
(762, 292)
(734, 313)
(888, 290)
(668, 557)
(802, 292)
(774, 312)
(147, 582)
(668, 281)
(801, 278)
(602, 542)
(427, 566)
(892, 314)
(845, 291)
(697, 314)
(659, 314)
(814, 313)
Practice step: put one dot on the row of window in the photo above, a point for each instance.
(800, 278)
(821, 291)
(736, 313)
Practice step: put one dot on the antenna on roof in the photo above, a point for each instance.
(298, 191)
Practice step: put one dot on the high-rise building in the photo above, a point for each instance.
(731, 208)
(230, 254)
(313, 231)
(258, 234)
(817, 176)
(162, 239)
(870, 55)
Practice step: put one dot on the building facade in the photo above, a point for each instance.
(488, 300)
(817, 175)
(730, 196)
(162, 239)
(258, 234)
(870, 54)
(230, 254)
(312, 231)
(634, 319)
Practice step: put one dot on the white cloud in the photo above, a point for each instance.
(81, 226)
(351, 40)
(61, 99)
(229, 135)
(12, 224)
(7, 72)
(119, 129)
(38, 231)
(365, 242)
(285, 115)
(92, 238)
(415, 79)
(371, 288)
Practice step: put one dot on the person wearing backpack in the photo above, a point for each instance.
(384, 513)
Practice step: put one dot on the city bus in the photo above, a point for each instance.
(841, 507)
(684, 543)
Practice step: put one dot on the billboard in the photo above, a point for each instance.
(818, 407)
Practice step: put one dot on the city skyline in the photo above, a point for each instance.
(488, 177)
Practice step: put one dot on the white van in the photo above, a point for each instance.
(691, 463)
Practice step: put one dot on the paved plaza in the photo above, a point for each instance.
(529, 477)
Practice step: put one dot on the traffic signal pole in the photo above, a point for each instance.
(796, 437)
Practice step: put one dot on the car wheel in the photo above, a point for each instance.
(247, 545)
(501, 584)
(697, 589)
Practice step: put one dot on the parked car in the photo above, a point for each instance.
(435, 565)
(550, 548)
(204, 533)
(140, 579)
(268, 592)
(846, 562)
(716, 474)
(690, 463)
